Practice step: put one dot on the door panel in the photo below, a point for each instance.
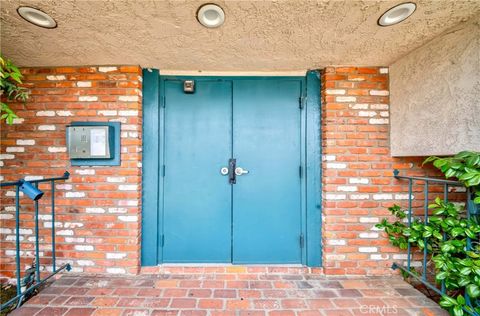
(197, 198)
(267, 200)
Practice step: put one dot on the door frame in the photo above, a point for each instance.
(152, 160)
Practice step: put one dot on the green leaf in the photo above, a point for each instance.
(457, 311)
(473, 290)
(461, 300)
(447, 301)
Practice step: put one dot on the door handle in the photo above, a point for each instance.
(224, 171)
(231, 171)
(240, 171)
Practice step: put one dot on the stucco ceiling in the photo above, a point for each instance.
(256, 36)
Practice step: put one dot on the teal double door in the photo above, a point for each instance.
(231, 171)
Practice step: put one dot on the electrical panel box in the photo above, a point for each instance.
(90, 142)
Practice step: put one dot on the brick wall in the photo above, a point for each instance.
(98, 208)
(358, 183)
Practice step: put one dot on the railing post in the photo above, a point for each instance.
(409, 247)
(37, 246)
(54, 257)
(425, 250)
(17, 238)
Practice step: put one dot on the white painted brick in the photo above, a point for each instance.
(128, 98)
(359, 197)
(64, 113)
(107, 112)
(14, 238)
(359, 106)
(94, 210)
(335, 91)
(336, 242)
(133, 135)
(415, 264)
(5, 230)
(128, 113)
(378, 121)
(128, 218)
(18, 120)
(116, 179)
(24, 231)
(107, 69)
(87, 98)
(45, 113)
(399, 196)
(332, 165)
(64, 186)
(9, 208)
(2, 178)
(331, 196)
(73, 225)
(74, 194)
(368, 235)
(85, 172)
(49, 224)
(6, 156)
(384, 114)
(329, 157)
(74, 239)
(45, 217)
(346, 99)
(116, 255)
(117, 210)
(367, 113)
(383, 196)
(84, 84)
(358, 180)
(383, 70)
(129, 127)
(335, 257)
(84, 247)
(400, 256)
(46, 127)
(127, 187)
(379, 257)
(347, 188)
(59, 77)
(457, 189)
(116, 270)
(57, 149)
(379, 106)
(13, 193)
(15, 149)
(6, 216)
(30, 178)
(128, 203)
(85, 263)
(122, 120)
(25, 142)
(367, 249)
(379, 92)
(369, 220)
(65, 232)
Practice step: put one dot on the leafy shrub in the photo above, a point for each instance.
(456, 257)
(10, 81)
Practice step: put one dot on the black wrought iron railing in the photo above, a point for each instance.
(443, 187)
(32, 278)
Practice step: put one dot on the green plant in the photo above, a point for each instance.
(445, 235)
(10, 81)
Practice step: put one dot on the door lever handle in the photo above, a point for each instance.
(231, 171)
(240, 171)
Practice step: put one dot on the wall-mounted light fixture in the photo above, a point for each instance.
(211, 15)
(397, 14)
(37, 17)
(31, 191)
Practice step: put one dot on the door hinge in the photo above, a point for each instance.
(300, 171)
(163, 101)
(163, 171)
(162, 240)
(301, 102)
(302, 241)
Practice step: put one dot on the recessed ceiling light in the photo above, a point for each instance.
(397, 14)
(210, 15)
(37, 17)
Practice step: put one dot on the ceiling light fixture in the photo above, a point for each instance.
(210, 15)
(37, 17)
(397, 14)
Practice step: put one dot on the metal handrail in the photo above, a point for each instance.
(470, 210)
(38, 280)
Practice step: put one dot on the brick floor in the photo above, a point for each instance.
(233, 291)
